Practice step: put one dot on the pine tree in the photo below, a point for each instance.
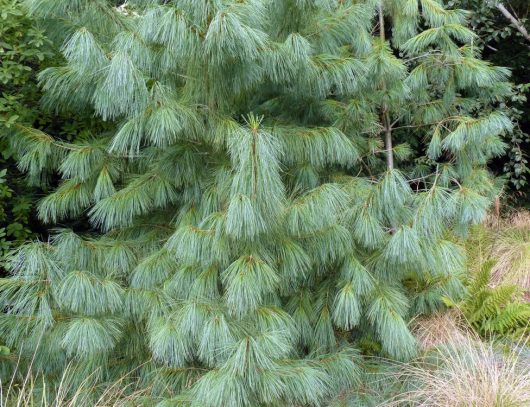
(285, 183)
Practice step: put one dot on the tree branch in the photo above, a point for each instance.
(515, 22)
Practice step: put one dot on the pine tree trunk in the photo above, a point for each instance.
(385, 115)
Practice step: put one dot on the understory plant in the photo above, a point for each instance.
(24, 389)
(494, 311)
(509, 243)
(257, 210)
(497, 302)
(469, 373)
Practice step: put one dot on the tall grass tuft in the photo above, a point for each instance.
(507, 240)
(471, 373)
(440, 328)
(511, 249)
(33, 391)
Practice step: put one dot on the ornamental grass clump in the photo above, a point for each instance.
(470, 373)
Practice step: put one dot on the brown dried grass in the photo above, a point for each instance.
(438, 329)
(466, 374)
(507, 240)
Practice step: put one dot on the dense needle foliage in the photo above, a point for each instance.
(503, 44)
(258, 214)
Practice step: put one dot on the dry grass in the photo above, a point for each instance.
(27, 389)
(439, 329)
(467, 374)
(507, 240)
(511, 249)
(34, 392)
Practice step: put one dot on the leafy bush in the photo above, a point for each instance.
(23, 48)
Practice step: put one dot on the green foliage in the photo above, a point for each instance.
(14, 215)
(507, 240)
(23, 47)
(495, 311)
(501, 43)
(250, 230)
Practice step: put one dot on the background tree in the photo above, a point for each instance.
(258, 212)
(503, 44)
(26, 49)
(23, 49)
